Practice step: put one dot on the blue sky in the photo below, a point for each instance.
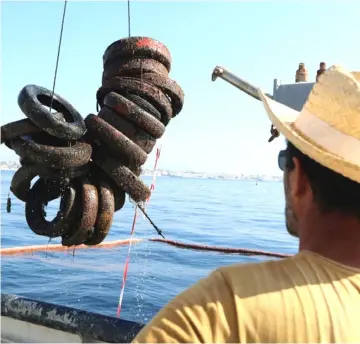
(220, 129)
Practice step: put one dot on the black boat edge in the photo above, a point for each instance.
(90, 327)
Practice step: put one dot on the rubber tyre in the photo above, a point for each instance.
(66, 124)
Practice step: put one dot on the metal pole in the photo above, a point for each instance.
(236, 81)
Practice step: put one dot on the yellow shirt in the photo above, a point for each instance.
(305, 298)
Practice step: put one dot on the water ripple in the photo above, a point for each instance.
(212, 212)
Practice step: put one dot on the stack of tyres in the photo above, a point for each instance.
(91, 165)
(137, 100)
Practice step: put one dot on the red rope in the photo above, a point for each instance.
(153, 182)
(122, 290)
(126, 268)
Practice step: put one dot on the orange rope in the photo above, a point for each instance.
(46, 248)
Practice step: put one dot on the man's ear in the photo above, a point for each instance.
(299, 181)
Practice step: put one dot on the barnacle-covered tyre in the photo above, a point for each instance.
(88, 201)
(134, 113)
(42, 192)
(133, 67)
(137, 47)
(105, 213)
(53, 157)
(126, 179)
(66, 124)
(119, 143)
(15, 129)
(129, 85)
(21, 181)
(128, 128)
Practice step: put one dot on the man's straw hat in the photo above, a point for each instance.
(328, 127)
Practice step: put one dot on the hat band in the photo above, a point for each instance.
(327, 136)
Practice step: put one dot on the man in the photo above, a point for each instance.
(313, 296)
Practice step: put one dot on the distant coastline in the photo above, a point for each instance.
(13, 166)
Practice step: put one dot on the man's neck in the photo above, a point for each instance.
(333, 236)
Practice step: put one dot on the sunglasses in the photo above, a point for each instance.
(282, 160)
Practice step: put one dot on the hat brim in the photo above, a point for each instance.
(284, 117)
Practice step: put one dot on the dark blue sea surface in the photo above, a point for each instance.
(229, 213)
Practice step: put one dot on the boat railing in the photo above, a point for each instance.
(27, 320)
